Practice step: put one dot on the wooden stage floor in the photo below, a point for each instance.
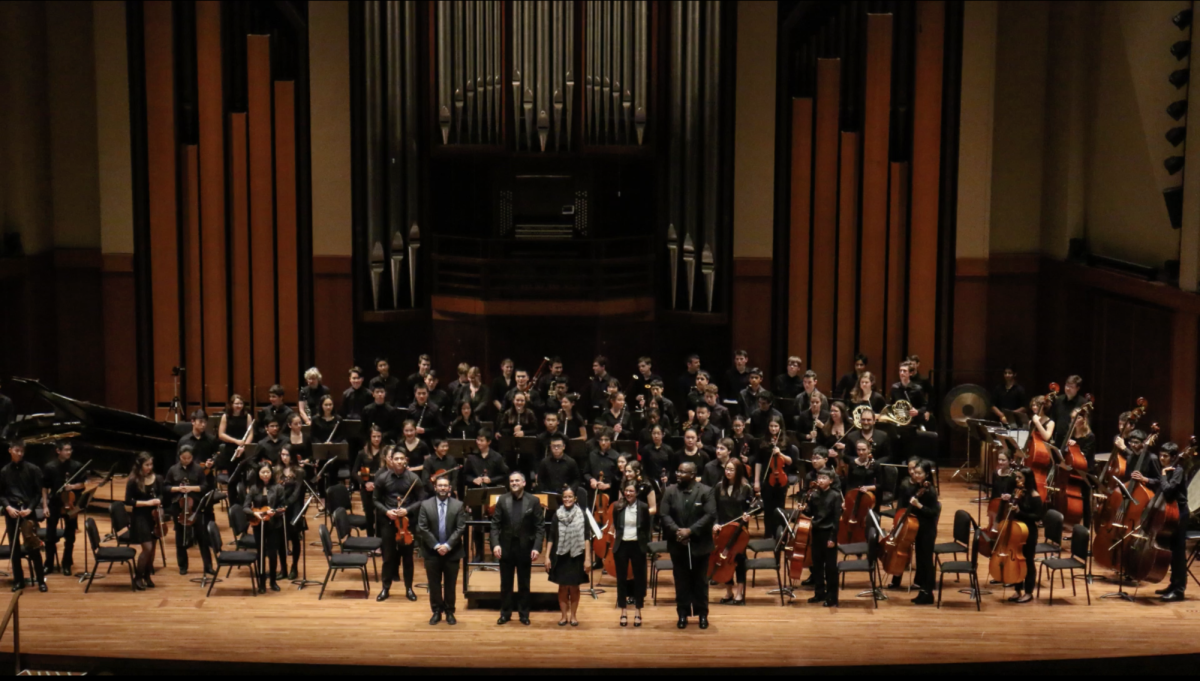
(176, 622)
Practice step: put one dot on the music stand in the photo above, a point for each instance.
(205, 500)
(304, 580)
(326, 454)
(520, 448)
(461, 449)
(477, 497)
(879, 593)
(1120, 555)
(788, 531)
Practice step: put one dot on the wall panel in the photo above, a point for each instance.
(801, 227)
(847, 299)
(877, 118)
(824, 225)
(193, 286)
(210, 112)
(239, 218)
(262, 214)
(897, 271)
(286, 255)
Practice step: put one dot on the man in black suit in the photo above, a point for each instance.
(688, 511)
(441, 524)
(518, 528)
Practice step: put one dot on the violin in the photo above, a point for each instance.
(267, 512)
(731, 540)
(404, 535)
(1007, 564)
(777, 474)
(364, 474)
(898, 544)
(29, 536)
(1119, 515)
(73, 504)
(802, 539)
(742, 456)
(186, 507)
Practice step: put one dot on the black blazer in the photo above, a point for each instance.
(532, 526)
(643, 527)
(696, 510)
(456, 526)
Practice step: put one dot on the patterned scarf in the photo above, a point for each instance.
(570, 531)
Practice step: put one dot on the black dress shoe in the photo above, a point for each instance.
(1172, 597)
(292, 574)
(437, 617)
(450, 619)
(410, 595)
(274, 587)
(819, 598)
(1164, 592)
(66, 571)
(503, 619)
(19, 586)
(525, 621)
(807, 582)
(923, 600)
(137, 585)
(43, 588)
(183, 571)
(830, 604)
(682, 623)
(703, 622)
(383, 596)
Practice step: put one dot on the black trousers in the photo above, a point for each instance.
(18, 571)
(691, 582)
(195, 532)
(71, 527)
(271, 546)
(926, 577)
(442, 574)
(772, 498)
(824, 567)
(1179, 555)
(630, 554)
(514, 561)
(393, 556)
(1028, 552)
(368, 505)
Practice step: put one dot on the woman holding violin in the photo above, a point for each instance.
(263, 499)
(291, 477)
(1172, 487)
(565, 555)
(631, 544)
(776, 459)
(734, 496)
(144, 493)
(186, 483)
(366, 466)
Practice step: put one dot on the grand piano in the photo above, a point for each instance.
(110, 438)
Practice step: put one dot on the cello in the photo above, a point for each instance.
(1148, 551)
(853, 525)
(1037, 450)
(731, 540)
(898, 544)
(1007, 563)
(802, 539)
(998, 510)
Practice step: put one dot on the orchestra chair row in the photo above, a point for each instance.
(970, 568)
(231, 559)
(1077, 561)
(113, 555)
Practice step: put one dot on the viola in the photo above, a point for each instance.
(731, 540)
(74, 504)
(777, 475)
(161, 528)
(802, 540)
(852, 527)
(1008, 564)
(898, 544)
(742, 456)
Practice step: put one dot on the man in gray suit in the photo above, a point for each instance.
(441, 523)
(518, 528)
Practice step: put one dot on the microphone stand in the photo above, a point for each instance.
(304, 580)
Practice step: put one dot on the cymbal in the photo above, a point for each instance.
(964, 402)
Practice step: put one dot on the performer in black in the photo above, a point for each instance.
(1172, 485)
(395, 498)
(825, 508)
(518, 528)
(55, 475)
(186, 480)
(687, 513)
(264, 503)
(20, 488)
(441, 523)
(484, 468)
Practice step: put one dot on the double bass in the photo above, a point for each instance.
(731, 540)
(1117, 464)
(898, 544)
(1037, 450)
(1007, 564)
(1068, 487)
(1148, 549)
(1119, 514)
(802, 539)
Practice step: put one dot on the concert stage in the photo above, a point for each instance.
(174, 628)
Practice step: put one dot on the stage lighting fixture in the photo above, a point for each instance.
(1179, 78)
(1173, 164)
(1183, 19)
(1177, 135)
(1178, 109)
(1181, 49)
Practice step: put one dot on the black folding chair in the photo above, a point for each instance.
(341, 561)
(963, 522)
(348, 544)
(868, 565)
(1077, 561)
(108, 554)
(338, 497)
(963, 567)
(231, 559)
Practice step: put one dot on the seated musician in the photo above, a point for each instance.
(811, 421)
(389, 383)
(733, 496)
(275, 411)
(1009, 396)
(790, 384)
(466, 426)
(1173, 486)
(310, 395)
(825, 508)
(356, 397)
(764, 415)
(864, 393)
(382, 414)
(718, 414)
(883, 449)
(440, 465)
(850, 381)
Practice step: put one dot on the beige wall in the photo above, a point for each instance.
(754, 143)
(329, 71)
(74, 173)
(112, 128)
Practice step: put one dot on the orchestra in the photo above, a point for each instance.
(688, 475)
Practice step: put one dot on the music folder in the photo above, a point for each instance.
(339, 450)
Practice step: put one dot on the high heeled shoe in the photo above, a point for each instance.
(624, 620)
(637, 620)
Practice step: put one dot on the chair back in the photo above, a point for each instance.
(326, 542)
(119, 517)
(93, 534)
(337, 497)
(342, 523)
(888, 477)
(962, 527)
(238, 523)
(872, 546)
(1052, 525)
(214, 534)
(973, 533)
(1080, 542)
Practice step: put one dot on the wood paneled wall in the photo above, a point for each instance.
(222, 175)
(860, 215)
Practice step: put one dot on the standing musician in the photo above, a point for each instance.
(748, 396)
(743, 443)
(808, 389)
(570, 420)
(441, 523)
(519, 420)
(439, 398)
(863, 471)
(825, 508)
(924, 503)
(565, 549)
(475, 392)
(385, 380)
(652, 419)
(910, 391)
(882, 449)
(55, 476)
(1008, 396)
(326, 424)
(268, 447)
(466, 425)
(381, 414)
(545, 384)
(533, 399)
(417, 379)
(692, 452)
(640, 388)
(356, 397)
(1085, 438)
(666, 407)
(617, 417)
(714, 471)
(143, 493)
(737, 377)
(718, 414)
(632, 521)
(296, 442)
(233, 432)
(460, 381)
(558, 470)
(708, 433)
(275, 411)
(426, 417)
(1173, 486)
(291, 477)
(1003, 480)
(372, 458)
(864, 393)
(1065, 407)
(688, 511)
(689, 378)
(186, 480)
(484, 468)
(811, 421)
(20, 488)
(518, 529)
(1039, 421)
(603, 463)
(697, 393)
(819, 462)
(733, 498)
(832, 435)
(790, 384)
(264, 500)
(764, 415)
(391, 486)
(503, 383)
(415, 449)
(658, 457)
(1030, 511)
(440, 461)
(311, 394)
(850, 381)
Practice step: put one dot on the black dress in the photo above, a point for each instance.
(141, 527)
(464, 430)
(322, 430)
(566, 570)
